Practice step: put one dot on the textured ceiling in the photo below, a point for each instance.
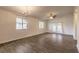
(41, 12)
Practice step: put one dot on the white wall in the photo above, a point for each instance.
(67, 21)
(75, 19)
(77, 26)
(8, 30)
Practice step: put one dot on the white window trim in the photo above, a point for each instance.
(22, 18)
(41, 25)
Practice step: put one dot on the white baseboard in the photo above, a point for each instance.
(21, 37)
(30, 35)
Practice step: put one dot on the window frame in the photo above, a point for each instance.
(21, 23)
(41, 24)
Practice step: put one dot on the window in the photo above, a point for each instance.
(41, 24)
(59, 28)
(21, 23)
(56, 27)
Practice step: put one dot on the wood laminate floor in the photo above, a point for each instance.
(44, 43)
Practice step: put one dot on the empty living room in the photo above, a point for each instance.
(39, 29)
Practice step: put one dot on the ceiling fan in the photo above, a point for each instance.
(52, 15)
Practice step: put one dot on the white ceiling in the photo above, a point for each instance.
(41, 11)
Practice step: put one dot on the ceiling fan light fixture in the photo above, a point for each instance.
(51, 17)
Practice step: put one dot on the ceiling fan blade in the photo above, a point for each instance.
(54, 16)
